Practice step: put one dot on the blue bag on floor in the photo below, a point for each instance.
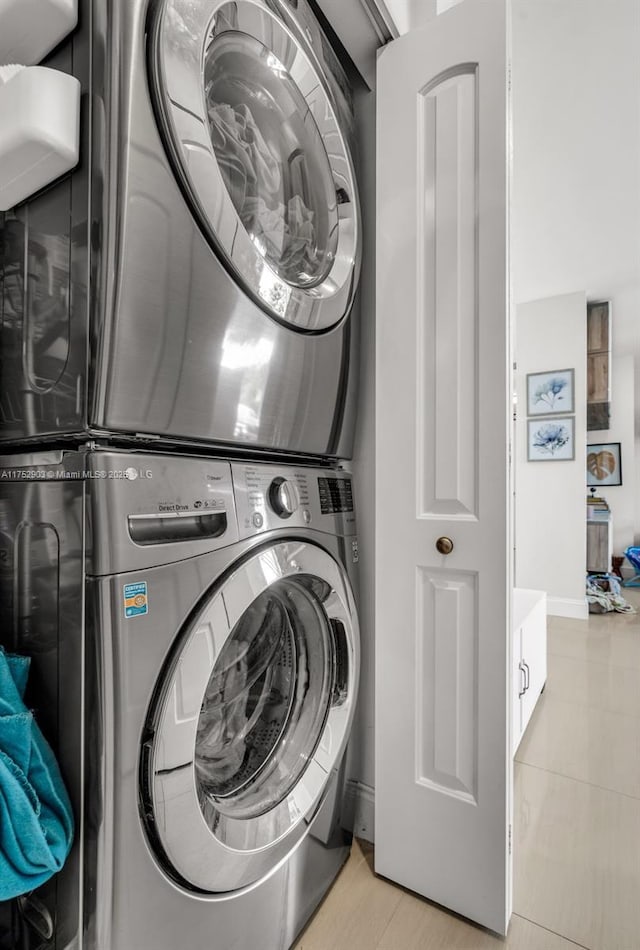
(36, 820)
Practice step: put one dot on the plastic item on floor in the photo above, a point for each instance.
(604, 595)
(40, 122)
(36, 820)
(632, 555)
(29, 29)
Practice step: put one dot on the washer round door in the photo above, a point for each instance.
(251, 126)
(251, 718)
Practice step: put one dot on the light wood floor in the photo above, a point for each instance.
(577, 820)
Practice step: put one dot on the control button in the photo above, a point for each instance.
(257, 519)
(284, 497)
(306, 516)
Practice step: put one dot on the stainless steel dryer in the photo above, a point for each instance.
(196, 651)
(193, 281)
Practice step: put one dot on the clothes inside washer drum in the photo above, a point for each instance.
(247, 700)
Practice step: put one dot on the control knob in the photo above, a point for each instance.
(284, 497)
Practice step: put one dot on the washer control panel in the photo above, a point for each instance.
(336, 495)
(284, 496)
(269, 496)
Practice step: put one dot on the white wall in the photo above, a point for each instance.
(411, 14)
(576, 196)
(621, 499)
(576, 189)
(551, 547)
(408, 14)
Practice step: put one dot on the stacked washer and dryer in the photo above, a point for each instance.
(177, 528)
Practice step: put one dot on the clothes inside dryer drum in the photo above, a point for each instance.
(266, 702)
(272, 158)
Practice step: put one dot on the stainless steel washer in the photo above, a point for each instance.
(194, 625)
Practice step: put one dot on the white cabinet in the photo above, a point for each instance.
(529, 656)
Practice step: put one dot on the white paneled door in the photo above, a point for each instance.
(443, 761)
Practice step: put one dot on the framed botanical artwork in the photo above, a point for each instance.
(551, 440)
(551, 392)
(604, 464)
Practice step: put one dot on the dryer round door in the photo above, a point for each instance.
(251, 718)
(253, 132)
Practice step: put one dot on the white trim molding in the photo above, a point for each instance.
(359, 809)
(568, 607)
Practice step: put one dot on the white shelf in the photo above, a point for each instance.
(40, 122)
(29, 29)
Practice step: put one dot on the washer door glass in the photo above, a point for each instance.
(266, 701)
(251, 718)
(252, 128)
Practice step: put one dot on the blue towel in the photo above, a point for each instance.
(36, 820)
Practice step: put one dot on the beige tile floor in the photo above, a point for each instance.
(577, 820)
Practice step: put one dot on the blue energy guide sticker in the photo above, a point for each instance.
(136, 601)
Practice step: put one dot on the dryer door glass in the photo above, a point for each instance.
(272, 158)
(251, 718)
(257, 139)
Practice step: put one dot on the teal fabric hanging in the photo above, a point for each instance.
(36, 820)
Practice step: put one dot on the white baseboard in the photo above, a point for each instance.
(359, 809)
(567, 607)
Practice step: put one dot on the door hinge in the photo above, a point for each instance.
(509, 839)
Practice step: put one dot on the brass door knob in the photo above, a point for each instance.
(444, 545)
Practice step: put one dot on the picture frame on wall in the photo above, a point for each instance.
(551, 392)
(604, 464)
(551, 439)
